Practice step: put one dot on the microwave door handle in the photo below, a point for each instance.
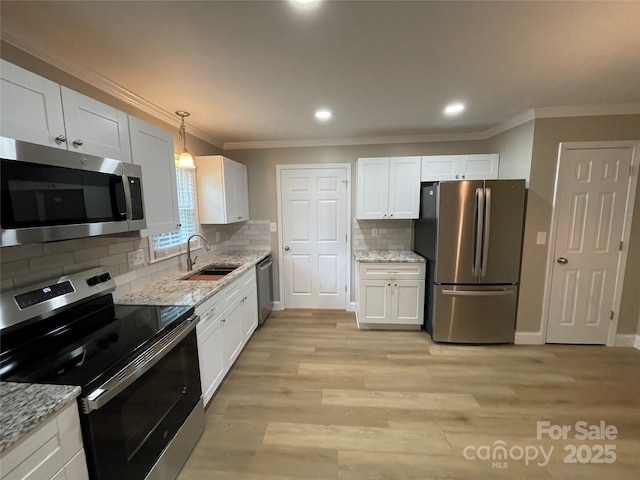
(487, 226)
(127, 197)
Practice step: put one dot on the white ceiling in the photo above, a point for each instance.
(256, 71)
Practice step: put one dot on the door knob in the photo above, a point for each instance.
(77, 143)
(562, 260)
(61, 139)
(286, 249)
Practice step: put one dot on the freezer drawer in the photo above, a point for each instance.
(469, 314)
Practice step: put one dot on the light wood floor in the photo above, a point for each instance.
(312, 397)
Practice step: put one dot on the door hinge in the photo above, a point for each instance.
(611, 316)
(621, 242)
(631, 170)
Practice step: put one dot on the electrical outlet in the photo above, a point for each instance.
(374, 232)
(135, 258)
(274, 227)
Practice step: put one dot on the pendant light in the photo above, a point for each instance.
(185, 160)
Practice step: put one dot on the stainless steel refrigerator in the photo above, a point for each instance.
(471, 234)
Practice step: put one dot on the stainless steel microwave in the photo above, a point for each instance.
(49, 194)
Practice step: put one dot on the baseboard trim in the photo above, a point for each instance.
(627, 340)
(528, 338)
(276, 306)
(351, 307)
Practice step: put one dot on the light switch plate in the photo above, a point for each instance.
(541, 238)
(135, 258)
(273, 226)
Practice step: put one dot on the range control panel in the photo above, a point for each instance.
(40, 295)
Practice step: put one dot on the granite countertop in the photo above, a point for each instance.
(172, 290)
(25, 406)
(383, 256)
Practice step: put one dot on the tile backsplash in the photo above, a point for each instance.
(382, 234)
(26, 264)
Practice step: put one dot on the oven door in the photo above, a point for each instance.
(131, 419)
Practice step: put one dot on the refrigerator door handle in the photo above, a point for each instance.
(487, 226)
(478, 293)
(478, 223)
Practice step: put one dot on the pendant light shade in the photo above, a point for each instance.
(185, 160)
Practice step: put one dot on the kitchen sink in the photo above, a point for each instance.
(212, 273)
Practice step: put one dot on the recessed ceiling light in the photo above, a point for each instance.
(323, 114)
(454, 108)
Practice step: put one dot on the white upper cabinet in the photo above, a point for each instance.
(30, 107)
(223, 190)
(479, 167)
(388, 188)
(95, 128)
(152, 149)
(436, 168)
(37, 110)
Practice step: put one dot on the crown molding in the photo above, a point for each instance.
(587, 110)
(19, 39)
(341, 142)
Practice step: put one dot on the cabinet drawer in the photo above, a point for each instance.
(392, 271)
(210, 302)
(232, 292)
(46, 450)
(248, 279)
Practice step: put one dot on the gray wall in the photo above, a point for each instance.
(548, 134)
(262, 173)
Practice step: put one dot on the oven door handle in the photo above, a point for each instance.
(137, 367)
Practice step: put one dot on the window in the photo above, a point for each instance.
(172, 243)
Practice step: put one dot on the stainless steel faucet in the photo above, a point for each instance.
(207, 247)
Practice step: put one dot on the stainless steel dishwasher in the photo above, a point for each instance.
(265, 287)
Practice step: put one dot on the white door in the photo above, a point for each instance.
(314, 236)
(375, 301)
(95, 128)
(30, 107)
(591, 199)
(152, 149)
(373, 188)
(404, 187)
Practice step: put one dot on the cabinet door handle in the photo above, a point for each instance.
(78, 143)
(456, 177)
(61, 139)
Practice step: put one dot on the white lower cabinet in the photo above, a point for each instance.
(390, 294)
(232, 328)
(227, 321)
(53, 451)
(210, 346)
(249, 304)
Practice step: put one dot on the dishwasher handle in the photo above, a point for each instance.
(263, 266)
